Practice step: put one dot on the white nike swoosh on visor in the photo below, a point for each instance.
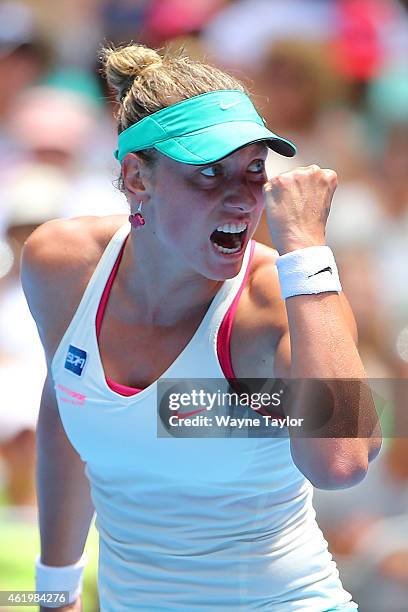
(224, 106)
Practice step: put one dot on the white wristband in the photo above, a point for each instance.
(306, 271)
(65, 578)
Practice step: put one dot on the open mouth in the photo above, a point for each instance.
(229, 238)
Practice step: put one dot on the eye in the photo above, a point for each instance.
(211, 171)
(258, 165)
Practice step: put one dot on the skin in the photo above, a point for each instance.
(183, 204)
(153, 321)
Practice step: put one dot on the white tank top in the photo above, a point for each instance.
(186, 523)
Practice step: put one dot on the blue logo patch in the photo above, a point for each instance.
(76, 359)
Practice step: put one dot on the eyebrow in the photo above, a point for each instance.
(262, 146)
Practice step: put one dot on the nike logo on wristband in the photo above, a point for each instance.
(328, 269)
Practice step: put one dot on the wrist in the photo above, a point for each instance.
(308, 270)
(295, 246)
(286, 244)
(66, 578)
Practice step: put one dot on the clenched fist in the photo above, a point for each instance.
(297, 207)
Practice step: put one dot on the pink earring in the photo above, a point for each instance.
(137, 219)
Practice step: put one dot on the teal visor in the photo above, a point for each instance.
(202, 129)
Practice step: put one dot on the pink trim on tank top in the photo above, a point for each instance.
(224, 332)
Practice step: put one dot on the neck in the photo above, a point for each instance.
(156, 286)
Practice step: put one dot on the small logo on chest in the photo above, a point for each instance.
(75, 360)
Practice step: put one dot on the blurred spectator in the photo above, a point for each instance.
(32, 198)
(366, 32)
(302, 98)
(358, 47)
(74, 29)
(192, 46)
(66, 130)
(366, 528)
(172, 18)
(155, 22)
(123, 20)
(52, 126)
(366, 39)
(362, 285)
(23, 59)
(241, 33)
(56, 131)
(372, 214)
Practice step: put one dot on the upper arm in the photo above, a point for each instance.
(42, 278)
(263, 322)
(55, 452)
(57, 261)
(50, 431)
(41, 265)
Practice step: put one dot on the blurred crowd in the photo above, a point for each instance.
(331, 75)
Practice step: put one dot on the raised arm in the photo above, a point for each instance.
(320, 342)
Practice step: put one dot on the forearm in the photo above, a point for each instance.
(64, 506)
(347, 435)
(64, 503)
(321, 343)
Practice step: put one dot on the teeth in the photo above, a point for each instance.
(225, 250)
(232, 228)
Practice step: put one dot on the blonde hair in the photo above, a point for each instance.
(145, 81)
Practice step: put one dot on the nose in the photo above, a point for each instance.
(238, 205)
(240, 200)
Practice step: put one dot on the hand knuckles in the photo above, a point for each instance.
(276, 181)
(331, 176)
(313, 170)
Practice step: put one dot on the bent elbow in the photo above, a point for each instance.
(330, 463)
(340, 477)
(375, 447)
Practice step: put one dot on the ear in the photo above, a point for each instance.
(136, 177)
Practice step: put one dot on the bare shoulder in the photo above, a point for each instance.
(57, 262)
(61, 242)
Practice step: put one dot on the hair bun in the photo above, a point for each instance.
(124, 64)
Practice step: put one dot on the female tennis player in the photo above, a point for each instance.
(179, 290)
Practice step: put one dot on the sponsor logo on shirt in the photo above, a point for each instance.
(69, 396)
(75, 360)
